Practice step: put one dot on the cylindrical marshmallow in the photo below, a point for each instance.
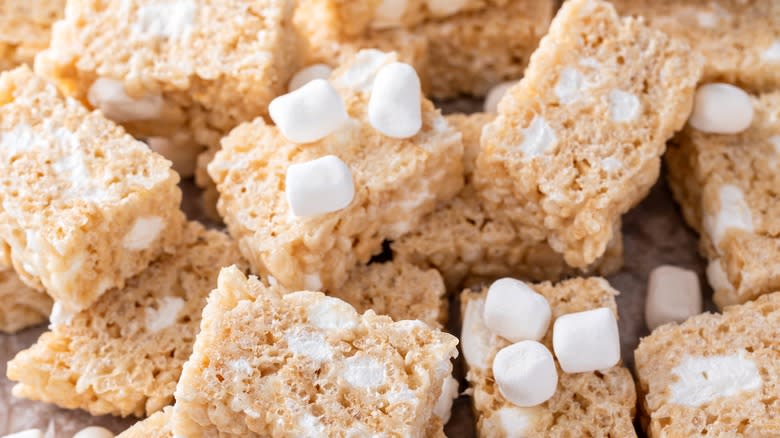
(515, 311)
(319, 186)
(29, 433)
(308, 74)
(673, 295)
(495, 95)
(721, 109)
(309, 113)
(94, 432)
(587, 341)
(525, 373)
(394, 108)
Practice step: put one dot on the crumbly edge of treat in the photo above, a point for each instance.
(22, 306)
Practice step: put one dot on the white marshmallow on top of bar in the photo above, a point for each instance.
(587, 341)
(309, 113)
(721, 109)
(394, 108)
(525, 373)
(308, 74)
(515, 311)
(319, 186)
(673, 295)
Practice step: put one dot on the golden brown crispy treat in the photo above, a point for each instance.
(713, 375)
(84, 205)
(397, 182)
(739, 39)
(123, 355)
(304, 364)
(726, 186)
(158, 425)
(599, 403)
(25, 29)
(578, 141)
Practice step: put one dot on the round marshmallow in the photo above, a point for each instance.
(309, 113)
(94, 432)
(394, 108)
(721, 109)
(308, 74)
(587, 341)
(319, 186)
(525, 373)
(673, 295)
(495, 95)
(515, 311)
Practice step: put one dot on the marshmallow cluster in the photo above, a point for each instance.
(319, 186)
(673, 295)
(721, 109)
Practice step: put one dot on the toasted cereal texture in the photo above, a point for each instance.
(22, 306)
(397, 181)
(599, 403)
(123, 355)
(158, 425)
(207, 64)
(310, 364)
(84, 205)
(25, 29)
(578, 140)
(700, 165)
(737, 397)
(739, 39)
(397, 289)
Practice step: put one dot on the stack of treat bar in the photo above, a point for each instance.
(346, 218)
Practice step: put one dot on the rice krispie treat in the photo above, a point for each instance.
(307, 210)
(84, 205)
(25, 28)
(597, 403)
(304, 364)
(726, 185)
(578, 141)
(192, 68)
(158, 425)
(123, 355)
(21, 305)
(713, 375)
(740, 40)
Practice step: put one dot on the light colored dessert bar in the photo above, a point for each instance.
(726, 186)
(598, 403)
(158, 425)
(713, 375)
(317, 252)
(21, 306)
(467, 243)
(577, 142)
(84, 205)
(304, 364)
(25, 28)
(123, 355)
(740, 40)
(168, 69)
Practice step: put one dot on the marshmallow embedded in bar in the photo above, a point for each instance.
(94, 432)
(308, 74)
(673, 295)
(515, 311)
(587, 341)
(525, 373)
(319, 186)
(309, 113)
(721, 109)
(395, 105)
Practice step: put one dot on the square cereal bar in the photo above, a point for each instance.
(304, 364)
(21, 305)
(739, 39)
(598, 403)
(466, 242)
(124, 354)
(84, 205)
(727, 188)
(166, 70)
(158, 425)
(397, 181)
(713, 375)
(578, 141)
(25, 28)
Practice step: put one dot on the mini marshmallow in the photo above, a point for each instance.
(673, 295)
(515, 311)
(309, 113)
(394, 107)
(94, 432)
(587, 341)
(721, 109)
(319, 186)
(308, 74)
(525, 373)
(495, 95)
(29, 433)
